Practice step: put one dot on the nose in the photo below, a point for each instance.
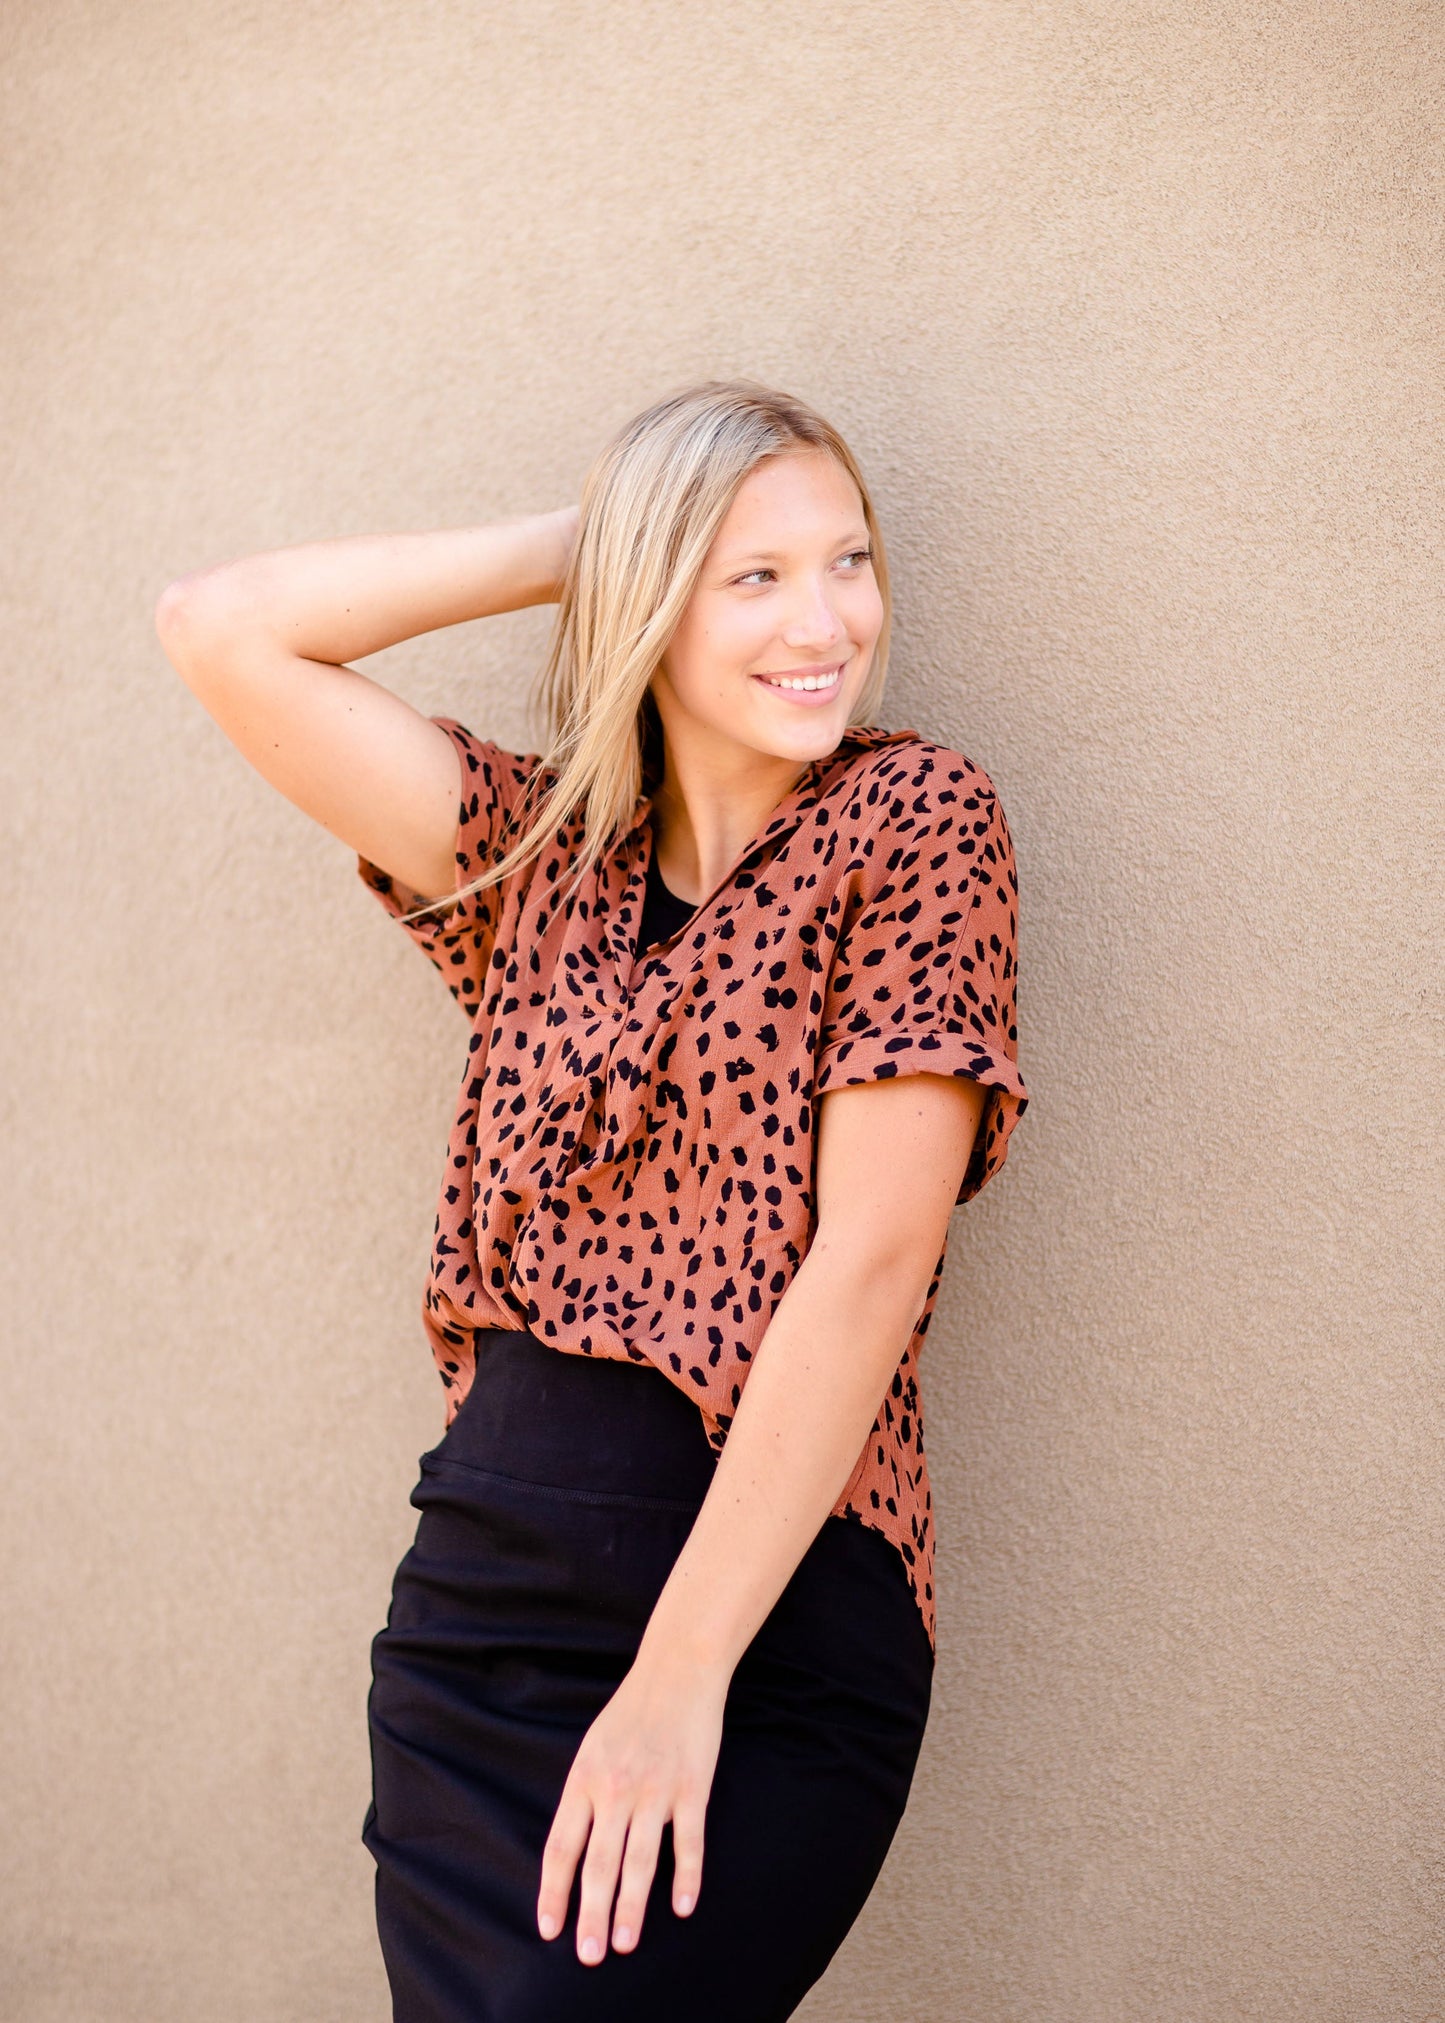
(813, 624)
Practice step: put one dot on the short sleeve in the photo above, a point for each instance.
(924, 975)
(459, 940)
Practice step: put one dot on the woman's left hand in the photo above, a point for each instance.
(649, 1757)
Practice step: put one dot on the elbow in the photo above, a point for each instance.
(177, 628)
(883, 1271)
(196, 624)
(170, 615)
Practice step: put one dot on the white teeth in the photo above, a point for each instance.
(803, 680)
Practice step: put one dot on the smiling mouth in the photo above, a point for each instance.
(805, 682)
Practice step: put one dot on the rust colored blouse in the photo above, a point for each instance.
(630, 1173)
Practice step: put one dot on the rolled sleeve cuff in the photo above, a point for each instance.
(879, 1056)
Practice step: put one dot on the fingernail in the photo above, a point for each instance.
(623, 1936)
(592, 1951)
(684, 1905)
(547, 1925)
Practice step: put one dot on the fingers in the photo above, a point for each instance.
(639, 1865)
(565, 1842)
(621, 1859)
(599, 1880)
(687, 1824)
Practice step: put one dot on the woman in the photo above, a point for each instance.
(738, 969)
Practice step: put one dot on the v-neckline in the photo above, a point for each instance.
(640, 959)
(653, 873)
(636, 854)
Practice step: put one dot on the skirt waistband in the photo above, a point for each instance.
(582, 1423)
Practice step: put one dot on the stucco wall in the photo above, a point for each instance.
(1133, 313)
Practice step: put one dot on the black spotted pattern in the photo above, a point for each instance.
(630, 1173)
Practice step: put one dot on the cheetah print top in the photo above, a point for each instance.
(630, 1173)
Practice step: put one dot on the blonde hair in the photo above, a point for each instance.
(651, 507)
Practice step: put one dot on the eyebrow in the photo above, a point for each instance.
(856, 538)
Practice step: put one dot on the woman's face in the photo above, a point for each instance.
(777, 639)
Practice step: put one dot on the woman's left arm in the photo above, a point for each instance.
(890, 1158)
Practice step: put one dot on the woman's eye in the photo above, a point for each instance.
(860, 556)
(753, 575)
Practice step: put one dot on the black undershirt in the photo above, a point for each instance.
(663, 913)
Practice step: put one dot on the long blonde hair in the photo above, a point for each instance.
(651, 507)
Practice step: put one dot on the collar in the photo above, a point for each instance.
(625, 876)
(811, 784)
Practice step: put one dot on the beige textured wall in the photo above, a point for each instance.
(1134, 312)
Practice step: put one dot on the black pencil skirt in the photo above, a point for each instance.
(551, 1515)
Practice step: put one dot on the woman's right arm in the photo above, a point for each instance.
(263, 643)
